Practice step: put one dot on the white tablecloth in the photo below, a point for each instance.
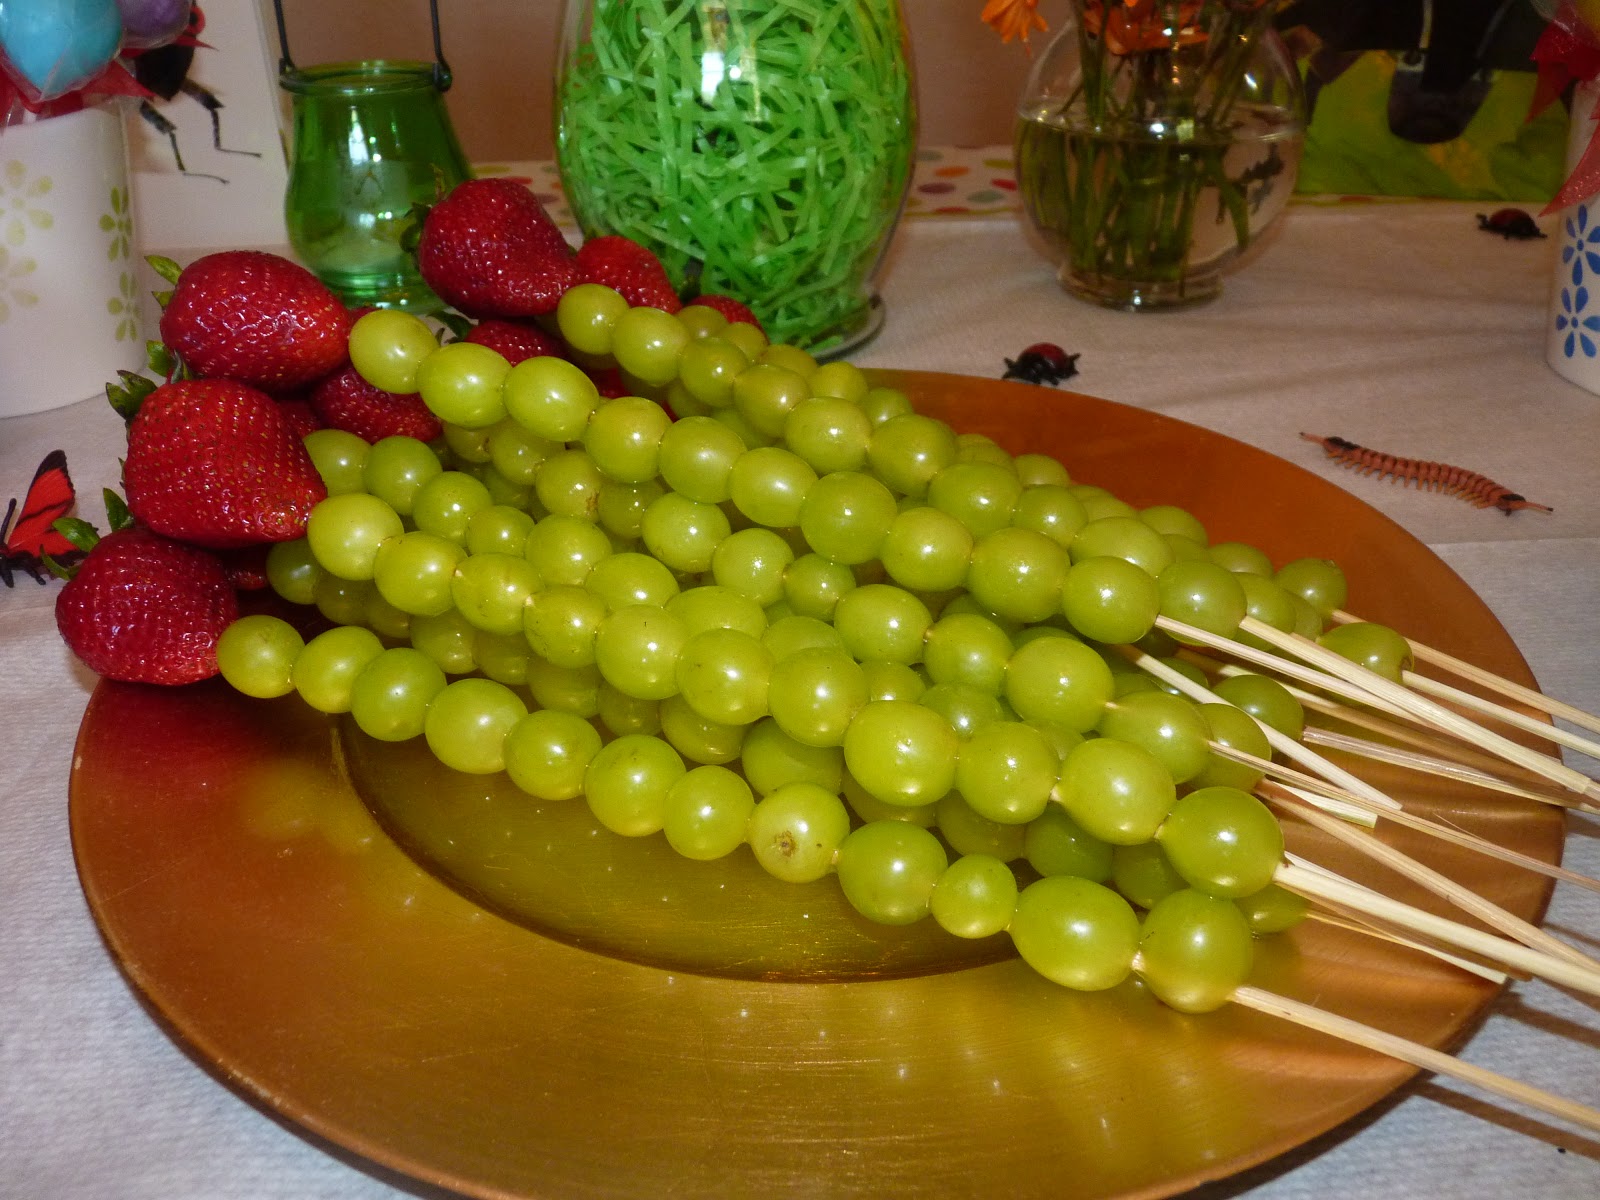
(1397, 326)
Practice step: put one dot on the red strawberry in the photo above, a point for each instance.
(489, 249)
(631, 269)
(246, 568)
(298, 412)
(255, 318)
(514, 340)
(347, 401)
(728, 307)
(216, 463)
(145, 609)
(608, 380)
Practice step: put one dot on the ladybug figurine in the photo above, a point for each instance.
(1042, 363)
(1510, 223)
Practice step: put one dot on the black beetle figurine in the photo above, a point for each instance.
(1510, 223)
(1042, 363)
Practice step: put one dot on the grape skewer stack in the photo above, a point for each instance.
(589, 554)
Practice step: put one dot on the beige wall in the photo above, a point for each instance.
(501, 52)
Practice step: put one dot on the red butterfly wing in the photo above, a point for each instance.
(50, 497)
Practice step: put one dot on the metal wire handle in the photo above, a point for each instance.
(441, 69)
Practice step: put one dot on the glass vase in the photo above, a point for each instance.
(1155, 143)
(762, 148)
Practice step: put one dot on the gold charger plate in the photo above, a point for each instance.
(271, 925)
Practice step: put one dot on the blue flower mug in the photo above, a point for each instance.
(1572, 329)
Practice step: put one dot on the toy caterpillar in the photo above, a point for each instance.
(1478, 490)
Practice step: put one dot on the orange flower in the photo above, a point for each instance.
(1132, 26)
(1013, 18)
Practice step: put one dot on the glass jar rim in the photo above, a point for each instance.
(359, 78)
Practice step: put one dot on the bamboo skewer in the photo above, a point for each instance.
(1507, 687)
(1326, 887)
(1474, 703)
(1416, 1054)
(1341, 920)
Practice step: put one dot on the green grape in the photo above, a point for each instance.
(1267, 602)
(714, 607)
(840, 380)
(560, 624)
(723, 674)
(502, 657)
(771, 759)
(1039, 470)
(1169, 727)
(1272, 910)
(461, 383)
(768, 485)
(624, 438)
(1017, 574)
(468, 446)
(708, 813)
(766, 394)
(747, 337)
(869, 808)
(619, 580)
(637, 648)
(980, 495)
(448, 639)
(502, 491)
(446, 503)
(969, 832)
(1187, 549)
(1267, 700)
(1110, 600)
(414, 572)
(747, 433)
(564, 549)
(907, 451)
(901, 752)
(697, 456)
(793, 633)
(387, 346)
(882, 404)
(981, 448)
(966, 709)
(831, 433)
(790, 358)
(967, 648)
(499, 529)
(1099, 503)
(1122, 537)
(292, 571)
(389, 699)
(700, 321)
(708, 369)
(548, 753)
(1075, 932)
(342, 601)
(1194, 950)
(1202, 594)
(1223, 841)
(1143, 875)
(647, 343)
(518, 454)
(1375, 647)
(882, 623)
(844, 516)
(926, 550)
(586, 316)
(1318, 581)
(696, 738)
(1187, 669)
(1306, 621)
(1052, 510)
(1119, 792)
(1058, 680)
(975, 897)
(1055, 844)
(569, 483)
(622, 713)
(340, 458)
(813, 586)
(796, 830)
(1007, 770)
(1240, 558)
(620, 507)
(814, 693)
(752, 562)
(550, 398)
(1127, 683)
(888, 870)
(574, 690)
(1236, 729)
(893, 681)
(683, 533)
(257, 655)
(467, 724)
(1174, 522)
(492, 591)
(628, 781)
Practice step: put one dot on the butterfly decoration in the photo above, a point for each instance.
(25, 543)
